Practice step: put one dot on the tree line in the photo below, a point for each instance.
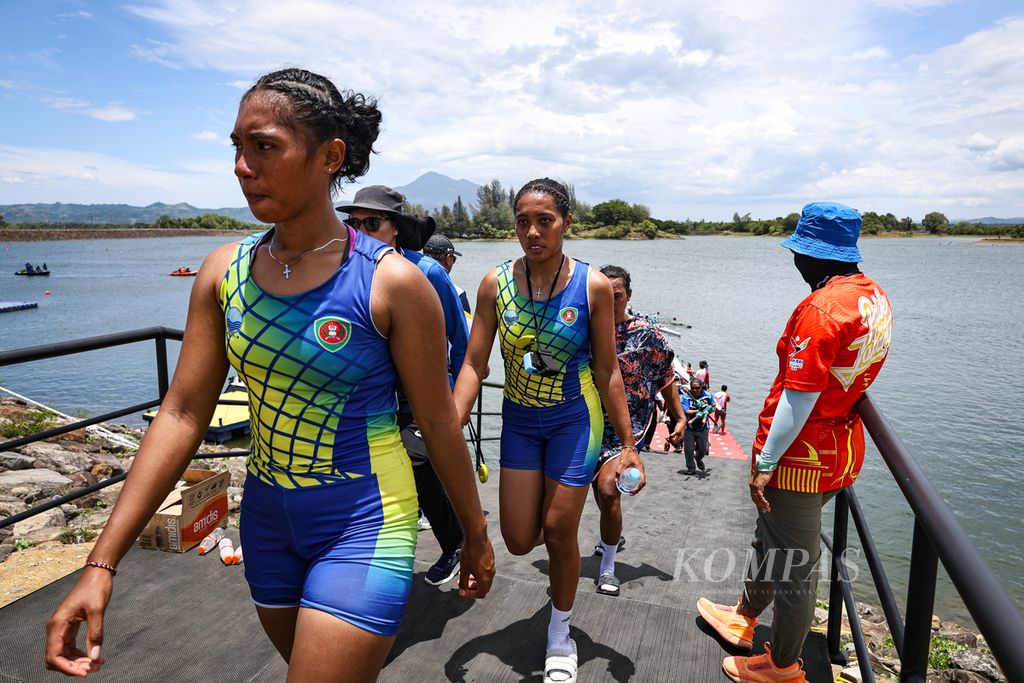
(492, 217)
(208, 221)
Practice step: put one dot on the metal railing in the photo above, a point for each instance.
(160, 335)
(938, 536)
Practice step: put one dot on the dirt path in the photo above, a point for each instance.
(31, 569)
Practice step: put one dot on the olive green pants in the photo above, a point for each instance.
(783, 568)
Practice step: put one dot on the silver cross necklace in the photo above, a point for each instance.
(288, 266)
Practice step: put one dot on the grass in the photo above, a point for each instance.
(72, 536)
(940, 654)
(35, 421)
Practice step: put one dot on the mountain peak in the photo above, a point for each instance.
(432, 189)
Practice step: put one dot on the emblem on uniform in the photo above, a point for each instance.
(510, 316)
(233, 320)
(797, 346)
(568, 315)
(332, 333)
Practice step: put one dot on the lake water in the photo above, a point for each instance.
(950, 386)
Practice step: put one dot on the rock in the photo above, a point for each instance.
(49, 534)
(850, 674)
(92, 519)
(958, 634)
(10, 505)
(52, 457)
(83, 479)
(50, 518)
(955, 676)
(5, 550)
(15, 461)
(820, 615)
(83, 447)
(47, 482)
(27, 492)
(936, 623)
(977, 662)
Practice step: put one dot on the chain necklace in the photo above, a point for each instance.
(538, 288)
(288, 266)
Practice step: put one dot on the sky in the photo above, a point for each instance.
(695, 109)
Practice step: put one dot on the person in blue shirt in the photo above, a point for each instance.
(698, 404)
(376, 210)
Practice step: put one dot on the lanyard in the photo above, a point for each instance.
(533, 308)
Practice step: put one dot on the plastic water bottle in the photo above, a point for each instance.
(629, 480)
(227, 550)
(211, 541)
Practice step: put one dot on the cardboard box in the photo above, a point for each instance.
(189, 513)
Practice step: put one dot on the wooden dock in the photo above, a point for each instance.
(189, 618)
(8, 306)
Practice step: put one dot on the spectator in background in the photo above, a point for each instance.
(703, 374)
(722, 399)
(441, 249)
(698, 404)
(645, 362)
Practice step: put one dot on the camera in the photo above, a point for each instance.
(540, 362)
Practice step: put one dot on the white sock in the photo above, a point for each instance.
(558, 629)
(608, 558)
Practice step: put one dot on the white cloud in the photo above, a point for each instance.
(697, 109)
(112, 111)
(210, 136)
(43, 175)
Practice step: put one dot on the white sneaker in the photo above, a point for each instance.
(423, 524)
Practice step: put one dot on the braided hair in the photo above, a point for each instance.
(556, 190)
(318, 110)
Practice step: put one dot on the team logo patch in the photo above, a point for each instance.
(568, 315)
(796, 363)
(510, 316)
(332, 333)
(233, 320)
(796, 346)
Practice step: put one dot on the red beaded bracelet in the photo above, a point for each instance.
(102, 565)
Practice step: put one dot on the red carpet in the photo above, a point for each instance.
(718, 446)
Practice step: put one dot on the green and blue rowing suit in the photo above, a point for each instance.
(551, 423)
(329, 513)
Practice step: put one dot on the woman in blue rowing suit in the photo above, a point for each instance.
(304, 314)
(551, 313)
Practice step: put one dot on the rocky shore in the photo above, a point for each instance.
(45, 547)
(52, 544)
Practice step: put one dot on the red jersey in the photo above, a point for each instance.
(835, 342)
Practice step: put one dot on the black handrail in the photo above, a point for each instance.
(938, 536)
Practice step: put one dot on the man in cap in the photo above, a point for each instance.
(441, 249)
(377, 211)
(809, 442)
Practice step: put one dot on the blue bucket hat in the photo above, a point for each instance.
(827, 230)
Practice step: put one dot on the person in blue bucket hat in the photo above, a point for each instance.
(809, 443)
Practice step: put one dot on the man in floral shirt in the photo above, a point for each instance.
(645, 362)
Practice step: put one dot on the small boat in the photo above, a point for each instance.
(32, 273)
(184, 271)
(229, 421)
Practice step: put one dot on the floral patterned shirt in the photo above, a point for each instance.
(645, 362)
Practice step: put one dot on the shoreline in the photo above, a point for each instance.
(46, 235)
(58, 234)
